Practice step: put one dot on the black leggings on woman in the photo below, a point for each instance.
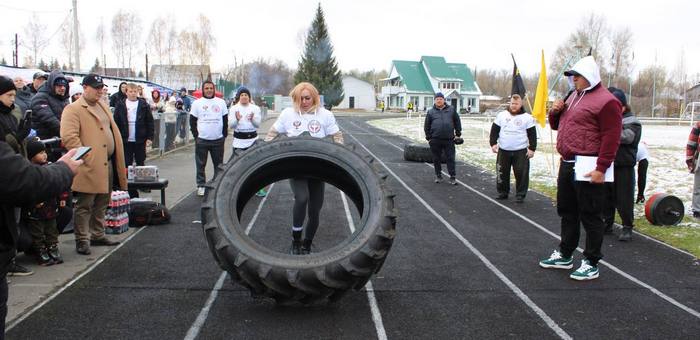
(308, 195)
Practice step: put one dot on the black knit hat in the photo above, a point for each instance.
(6, 85)
(619, 94)
(34, 147)
(241, 90)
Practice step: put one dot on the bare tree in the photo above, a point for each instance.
(589, 36)
(171, 44)
(621, 42)
(188, 47)
(35, 38)
(205, 40)
(126, 28)
(157, 36)
(68, 42)
(101, 37)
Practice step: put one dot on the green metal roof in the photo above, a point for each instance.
(413, 76)
(417, 80)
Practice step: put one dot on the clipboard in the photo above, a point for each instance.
(586, 164)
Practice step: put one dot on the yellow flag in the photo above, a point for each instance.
(539, 111)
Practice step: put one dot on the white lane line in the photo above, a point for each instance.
(257, 212)
(196, 327)
(518, 292)
(71, 282)
(617, 270)
(373, 305)
(204, 313)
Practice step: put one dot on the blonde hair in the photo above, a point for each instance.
(296, 95)
(132, 86)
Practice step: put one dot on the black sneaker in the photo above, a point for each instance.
(296, 247)
(519, 199)
(55, 254)
(640, 199)
(306, 247)
(17, 270)
(438, 179)
(626, 234)
(453, 181)
(43, 258)
(502, 196)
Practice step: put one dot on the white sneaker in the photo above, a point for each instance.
(200, 191)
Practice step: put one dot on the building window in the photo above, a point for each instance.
(428, 102)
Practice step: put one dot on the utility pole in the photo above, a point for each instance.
(653, 90)
(146, 66)
(76, 35)
(16, 54)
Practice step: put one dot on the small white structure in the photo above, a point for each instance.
(359, 94)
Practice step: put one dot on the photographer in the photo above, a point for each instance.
(22, 183)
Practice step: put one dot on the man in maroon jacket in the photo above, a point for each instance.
(589, 123)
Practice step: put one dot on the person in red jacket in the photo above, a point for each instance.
(589, 123)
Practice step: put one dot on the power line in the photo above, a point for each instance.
(31, 10)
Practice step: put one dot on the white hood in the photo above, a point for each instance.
(588, 68)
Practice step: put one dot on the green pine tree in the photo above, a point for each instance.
(318, 65)
(96, 68)
(3, 61)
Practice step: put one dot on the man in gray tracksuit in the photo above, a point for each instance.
(441, 126)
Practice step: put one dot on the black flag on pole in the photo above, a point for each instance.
(518, 85)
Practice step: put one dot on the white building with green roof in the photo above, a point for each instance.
(419, 81)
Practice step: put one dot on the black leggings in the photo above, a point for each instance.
(308, 193)
(642, 176)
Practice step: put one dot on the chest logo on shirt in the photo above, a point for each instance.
(314, 126)
(205, 107)
(518, 123)
(297, 124)
(216, 109)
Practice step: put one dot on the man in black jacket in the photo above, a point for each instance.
(135, 121)
(22, 184)
(25, 95)
(48, 104)
(120, 96)
(441, 126)
(621, 191)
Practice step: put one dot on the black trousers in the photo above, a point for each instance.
(521, 169)
(215, 148)
(308, 197)
(642, 167)
(134, 152)
(437, 147)
(580, 203)
(620, 197)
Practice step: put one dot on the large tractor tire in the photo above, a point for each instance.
(317, 277)
(420, 153)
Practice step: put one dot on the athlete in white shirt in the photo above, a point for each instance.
(307, 115)
(514, 138)
(245, 121)
(209, 126)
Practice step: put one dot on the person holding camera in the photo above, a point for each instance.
(514, 138)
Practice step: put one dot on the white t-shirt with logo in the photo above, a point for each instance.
(319, 124)
(210, 114)
(245, 124)
(513, 135)
(131, 109)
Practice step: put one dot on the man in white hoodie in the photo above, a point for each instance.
(589, 123)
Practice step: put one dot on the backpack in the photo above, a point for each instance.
(147, 213)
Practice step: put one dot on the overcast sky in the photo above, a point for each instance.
(368, 34)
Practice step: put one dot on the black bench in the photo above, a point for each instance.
(161, 184)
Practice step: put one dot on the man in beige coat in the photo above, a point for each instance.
(88, 122)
